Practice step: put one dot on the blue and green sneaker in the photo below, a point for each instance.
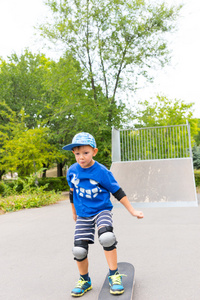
(81, 287)
(115, 282)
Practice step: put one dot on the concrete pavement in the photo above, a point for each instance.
(36, 262)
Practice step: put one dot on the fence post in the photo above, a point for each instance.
(190, 148)
(116, 150)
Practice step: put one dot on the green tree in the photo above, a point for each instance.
(65, 86)
(115, 41)
(164, 111)
(22, 85)
(46, 90)
(197, 136)
(7, 125)
(155, 136)
(75, 110)
(26, 150)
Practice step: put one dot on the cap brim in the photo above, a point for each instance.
(71, 146)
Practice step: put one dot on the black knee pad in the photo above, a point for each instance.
(107, 238)
(80, 250)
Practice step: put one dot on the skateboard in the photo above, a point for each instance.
(128, 283)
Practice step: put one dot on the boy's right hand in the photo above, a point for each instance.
(73, 212)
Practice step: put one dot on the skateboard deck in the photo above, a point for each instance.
(128, 283)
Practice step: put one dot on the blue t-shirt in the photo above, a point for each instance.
(92, 187)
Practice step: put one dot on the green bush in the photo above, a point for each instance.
(14, 187)
(196, 157)
(197, 177)
(54, 183)
(1, 188)
(26, 193)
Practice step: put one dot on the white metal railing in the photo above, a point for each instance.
(161, 142)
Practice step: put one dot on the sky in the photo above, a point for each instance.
(180, 80)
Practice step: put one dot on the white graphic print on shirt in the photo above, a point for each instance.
(89, 192)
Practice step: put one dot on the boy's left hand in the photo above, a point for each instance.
(129, 207)
(138, 214)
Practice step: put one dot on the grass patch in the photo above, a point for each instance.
(30, 195)
(18, 202)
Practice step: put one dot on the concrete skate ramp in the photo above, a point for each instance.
(161, 181)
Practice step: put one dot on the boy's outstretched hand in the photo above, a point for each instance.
(138, 214)
(129, 207)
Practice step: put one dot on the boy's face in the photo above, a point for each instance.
(84, 155)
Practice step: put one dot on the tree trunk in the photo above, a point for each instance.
(2, 173)
(44, 172)
(59, 169)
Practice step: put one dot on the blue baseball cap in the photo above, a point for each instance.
(81, 139)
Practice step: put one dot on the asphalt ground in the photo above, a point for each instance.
(36, 261)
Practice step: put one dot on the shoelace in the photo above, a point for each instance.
(80, 283)
(116, 279)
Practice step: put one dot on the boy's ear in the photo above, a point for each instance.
(95, 151)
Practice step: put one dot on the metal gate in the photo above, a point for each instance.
(161, 142)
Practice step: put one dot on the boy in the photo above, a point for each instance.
(90, 186)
